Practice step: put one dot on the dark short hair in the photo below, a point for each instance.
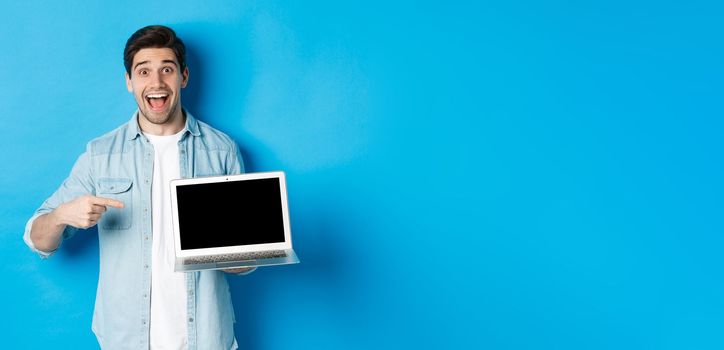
(155, 36)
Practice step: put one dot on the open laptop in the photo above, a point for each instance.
(231, 221)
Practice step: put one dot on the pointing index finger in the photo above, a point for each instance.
(108, 202)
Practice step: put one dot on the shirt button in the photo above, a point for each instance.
(144, 321)
(145, 266)
(191, 319)
(145, 295)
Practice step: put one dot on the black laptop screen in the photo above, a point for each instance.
(230, 213)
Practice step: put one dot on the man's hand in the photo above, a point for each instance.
(239, 270)
(84, 211)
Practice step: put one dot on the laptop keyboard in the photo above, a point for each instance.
(236, 257)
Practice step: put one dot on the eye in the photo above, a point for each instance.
(143, 72)
(168, 70)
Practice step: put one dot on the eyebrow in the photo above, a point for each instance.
(164, 61)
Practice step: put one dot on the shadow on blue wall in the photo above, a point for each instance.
(324, 268)
(196, 100)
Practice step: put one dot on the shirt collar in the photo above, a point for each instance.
(192, 125)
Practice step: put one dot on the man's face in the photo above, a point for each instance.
(156, 82)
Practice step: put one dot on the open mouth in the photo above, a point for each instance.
(157, 101)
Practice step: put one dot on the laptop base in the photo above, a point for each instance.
(184, 266)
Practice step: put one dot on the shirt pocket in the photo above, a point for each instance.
(119, 189)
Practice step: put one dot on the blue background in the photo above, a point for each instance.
(499, 175)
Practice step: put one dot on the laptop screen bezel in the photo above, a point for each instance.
(287, 244)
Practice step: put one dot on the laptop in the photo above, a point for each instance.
(231, 221)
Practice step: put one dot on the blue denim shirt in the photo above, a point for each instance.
(119, 165)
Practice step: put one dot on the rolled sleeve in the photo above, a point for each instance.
(29, 242)
(78, 183)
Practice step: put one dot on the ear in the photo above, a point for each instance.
(129, 85)
(185, 77)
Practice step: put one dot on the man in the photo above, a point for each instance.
(121, 185)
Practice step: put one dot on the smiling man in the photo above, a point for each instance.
(121, 184)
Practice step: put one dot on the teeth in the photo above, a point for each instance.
(156, 95)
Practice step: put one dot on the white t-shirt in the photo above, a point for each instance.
(168, 288)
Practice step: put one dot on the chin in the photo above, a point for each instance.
(163, 119)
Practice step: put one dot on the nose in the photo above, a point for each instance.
(156, 80)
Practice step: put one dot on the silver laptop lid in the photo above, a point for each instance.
(230, 214)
